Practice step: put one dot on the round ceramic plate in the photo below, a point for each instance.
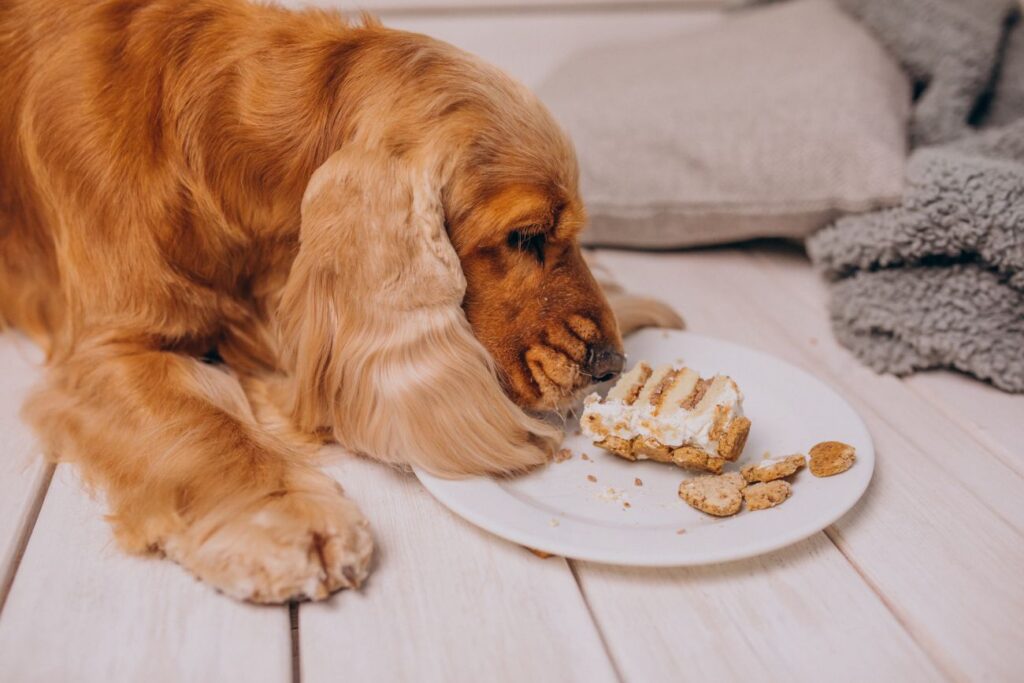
(598, 507)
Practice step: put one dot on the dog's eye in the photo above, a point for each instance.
(528, 242)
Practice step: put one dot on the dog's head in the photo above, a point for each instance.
(530, 297)
(439, 282)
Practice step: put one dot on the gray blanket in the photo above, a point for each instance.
(948, 48)
(939, 280)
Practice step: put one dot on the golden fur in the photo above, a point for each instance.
(375, 231)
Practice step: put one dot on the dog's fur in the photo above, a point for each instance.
(373, 230)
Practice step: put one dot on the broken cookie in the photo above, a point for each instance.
(771, 469)
(718, 495)
(831, 457)
(764, 495)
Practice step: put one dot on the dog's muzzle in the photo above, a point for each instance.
(603, 362)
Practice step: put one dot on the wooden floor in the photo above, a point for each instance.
(921, 581)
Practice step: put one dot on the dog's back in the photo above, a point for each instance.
(28, 273)
(153, 153)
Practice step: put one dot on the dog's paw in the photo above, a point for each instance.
(291, 545)
(636, 312)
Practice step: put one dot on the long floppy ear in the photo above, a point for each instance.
(378, 348)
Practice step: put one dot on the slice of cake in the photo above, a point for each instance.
(669, 414)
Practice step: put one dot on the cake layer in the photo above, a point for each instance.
(669, 414)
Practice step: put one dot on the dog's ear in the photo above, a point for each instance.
(378, 348)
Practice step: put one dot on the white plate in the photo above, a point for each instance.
(557, 509)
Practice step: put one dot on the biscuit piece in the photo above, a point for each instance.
(718, 495)
(831, 457)
(620, 447)
(764, 495)
(773, 468)
(730, 446)
(651, 449)
(697, 459)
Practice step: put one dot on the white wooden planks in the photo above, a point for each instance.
(446, 601)
(23, 472)
(924, 586)
(80, 610)
(799, 614)
(993, 417)
(940, 553)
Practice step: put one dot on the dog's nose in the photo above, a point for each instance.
(603, 363)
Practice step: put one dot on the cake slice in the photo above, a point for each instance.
(669, 414)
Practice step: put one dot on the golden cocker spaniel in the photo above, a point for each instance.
(374, 231)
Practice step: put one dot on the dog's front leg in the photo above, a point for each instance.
(186, 471)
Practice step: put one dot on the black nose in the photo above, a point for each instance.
(603, 363)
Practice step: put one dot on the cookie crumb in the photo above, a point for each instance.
(591, 477)
(552, 522)
(563, 455)
(626, 504)
(680, 532)
(638, 482)
(539, 553)
(586, 457)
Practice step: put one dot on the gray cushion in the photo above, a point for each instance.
(771, 123)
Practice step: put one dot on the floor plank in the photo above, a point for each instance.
(939, 556)
(798, 614)
(80, 610)
(991, 416)
(446, 601)
(24, 475)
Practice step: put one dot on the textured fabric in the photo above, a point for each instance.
(948, 47)
(771, 123)
(938, 281)
(972, 322)
(964, 200)
(1010, 84)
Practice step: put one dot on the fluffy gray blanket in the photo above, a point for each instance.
(939, 280)
(948, 48)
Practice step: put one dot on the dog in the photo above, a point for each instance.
(372, 233)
